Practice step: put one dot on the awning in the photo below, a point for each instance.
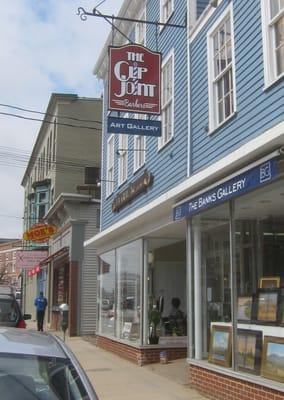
(62, 252)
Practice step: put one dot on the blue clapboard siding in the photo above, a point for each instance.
(257, 109)
(169, 165)
(200, 6)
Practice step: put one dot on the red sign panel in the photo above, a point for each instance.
(134, 79)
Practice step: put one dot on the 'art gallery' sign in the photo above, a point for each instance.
(134, 79)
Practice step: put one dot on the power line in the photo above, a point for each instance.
(49, 122)
(27, 153)
(49, 115)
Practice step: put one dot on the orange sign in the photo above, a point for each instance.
(40, 233)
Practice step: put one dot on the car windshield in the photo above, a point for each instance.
(9, 311)
(42, 378)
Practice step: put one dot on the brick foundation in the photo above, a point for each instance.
(140, 356)
(221, 387)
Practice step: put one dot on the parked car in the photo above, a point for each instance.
(35, 365)
(10, 312)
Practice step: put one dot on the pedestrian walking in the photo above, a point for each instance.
(40, 303)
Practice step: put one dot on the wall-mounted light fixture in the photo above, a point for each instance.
(98, 181)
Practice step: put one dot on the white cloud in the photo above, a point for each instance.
(45, 48)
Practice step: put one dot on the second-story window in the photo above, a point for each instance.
(110, 166)
(139, 149)
(166, 9)
(42, 203)
(221, 71)
(167, 101)
(273, 39)
(122, 158)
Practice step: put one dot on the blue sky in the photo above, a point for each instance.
(45, 48)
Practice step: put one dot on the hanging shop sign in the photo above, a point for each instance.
(130, 126)
(28, 259)
(234, 187)
(134, 79)
(135, 188)
(40, 233)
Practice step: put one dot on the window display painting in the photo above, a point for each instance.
(267, 305)
(221, 346)
(244, 308)
(249, 344)
(269, 282)
(272, 366)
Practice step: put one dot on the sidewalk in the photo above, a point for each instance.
(117, 379)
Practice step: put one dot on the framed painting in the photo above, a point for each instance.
(220, 351)
(249, 347)
(269, 282)
(244, 308)
(267, 304)
(272, 365)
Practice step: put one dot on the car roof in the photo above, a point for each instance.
(28, 342)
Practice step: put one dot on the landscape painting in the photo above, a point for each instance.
(221, 346)
(249, 345)
(273, 358)
(267, 305)
(244, 308)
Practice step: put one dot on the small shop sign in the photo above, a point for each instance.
(130, 126)
(234, 187)
(133, 190)
(29, 258)
(40, 233)
(134, 79)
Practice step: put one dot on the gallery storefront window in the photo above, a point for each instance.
(119, 294)
(106, 293)
(237, 270)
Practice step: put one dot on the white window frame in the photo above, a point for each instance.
(268, 37)
(164, 139)
(110, 166)
(122, 158)
(165, 17)
(212, 88)
(140, 29)
(139, 155)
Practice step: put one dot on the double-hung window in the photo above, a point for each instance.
(167, 101)
(122, 158)
(221, 70)
(139, 150)
(166, 9)
(110, 166)
(273, 39)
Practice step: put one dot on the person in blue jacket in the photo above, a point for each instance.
(40, 303)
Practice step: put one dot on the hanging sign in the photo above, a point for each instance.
(130, 126)
(234, 187)
(40, 233)
(29, 258)
(134, 79)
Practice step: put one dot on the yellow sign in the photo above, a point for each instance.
(40, 233)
